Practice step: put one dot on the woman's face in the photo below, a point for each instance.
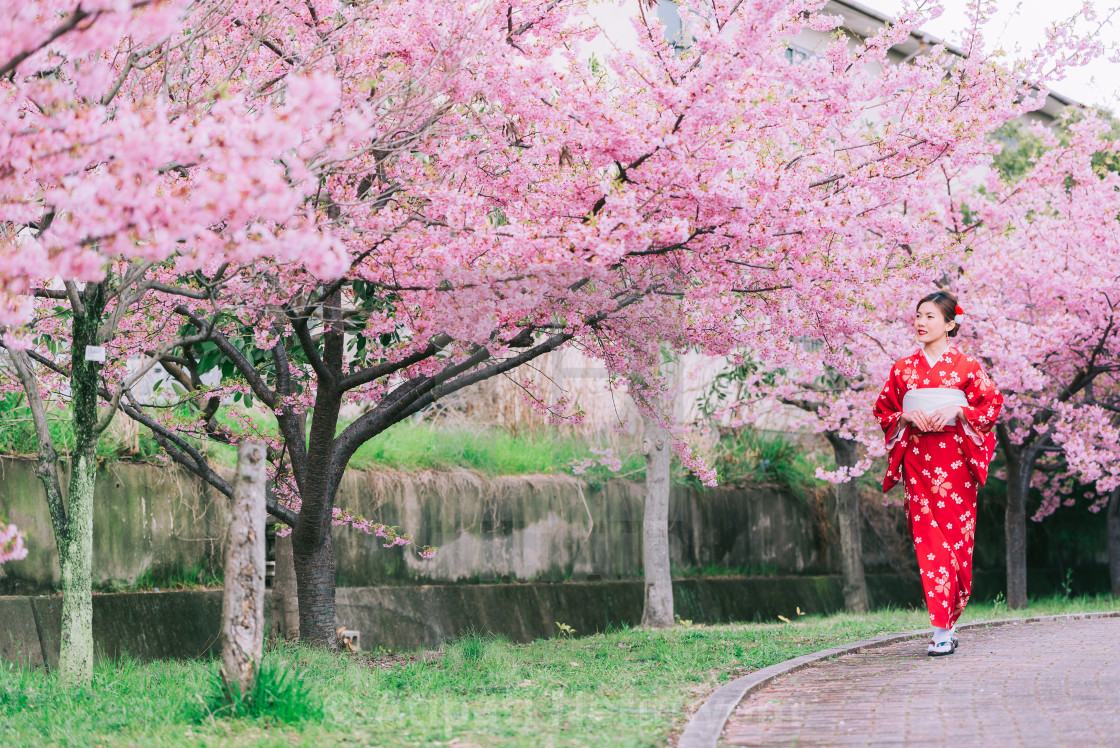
(930, 324)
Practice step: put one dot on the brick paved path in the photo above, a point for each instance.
(994, 691)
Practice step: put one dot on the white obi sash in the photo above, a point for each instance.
(929, 399)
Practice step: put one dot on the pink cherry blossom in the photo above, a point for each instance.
(11, 544)
(380, 204)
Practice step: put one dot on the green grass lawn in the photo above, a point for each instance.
(745, 457)
(622, 688)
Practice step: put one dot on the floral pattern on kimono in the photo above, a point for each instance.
(941, 471)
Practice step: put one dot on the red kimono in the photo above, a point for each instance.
(941, 470)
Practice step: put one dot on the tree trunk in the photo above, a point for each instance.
(243, 586)
(657, 610)
(1015, 526)
(1113, 524)
(75, 541)
(312, 546)
(315, 582)
(849, 519)
(313, 555)
(75, 556)
(285, 599)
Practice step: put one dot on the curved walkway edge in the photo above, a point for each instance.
(705, 727)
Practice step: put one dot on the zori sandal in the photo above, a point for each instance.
(940, 649)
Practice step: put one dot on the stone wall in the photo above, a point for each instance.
(146, 517)
(514, 528)
(544, 528)
(186, 624)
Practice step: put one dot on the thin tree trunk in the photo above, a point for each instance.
(75, 542)
(1113, 525)
(849, 518)
(75, 617)
(75, 556)
(657, 610)
(243, 593)
(1015, 526)
(285, 599)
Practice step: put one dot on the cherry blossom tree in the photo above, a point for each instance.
(1042, 284)
(466, 194)
(109, 184)
(1088, 431)
(514, 206)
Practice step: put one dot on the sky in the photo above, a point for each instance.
(1017, 27)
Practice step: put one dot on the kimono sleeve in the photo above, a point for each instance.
(888, 410)
(978, 418)
(984, 404)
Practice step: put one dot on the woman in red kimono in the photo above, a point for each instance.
(937, 410)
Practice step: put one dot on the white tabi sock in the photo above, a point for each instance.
(940, 635)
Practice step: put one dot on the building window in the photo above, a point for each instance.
(795, 54)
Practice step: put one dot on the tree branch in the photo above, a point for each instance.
(236, 357)
(48, 456)
(373, 373)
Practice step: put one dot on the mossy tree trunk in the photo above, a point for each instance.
(75, 556)
(72, 514)
(849, 519)
(657, 609)
(75, 545)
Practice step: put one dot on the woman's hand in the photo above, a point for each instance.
(918, 418)
(941, 416)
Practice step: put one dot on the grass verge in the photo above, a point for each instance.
(17, 434)
(744, 457)
(622, 688)
(490, 451)
(199, 576)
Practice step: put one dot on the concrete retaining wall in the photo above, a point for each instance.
(145, 518)
(542, 528)
(186, 624)
(146, 626)
(515, 528)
